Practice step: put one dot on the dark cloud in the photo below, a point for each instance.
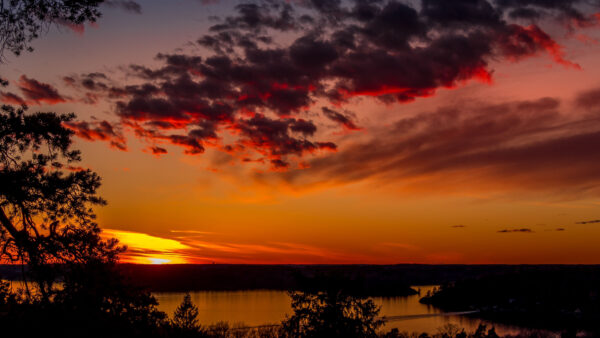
(127, 5)
(562, 9)
(589, 100)
(258, 16)
(269, 62)
(461, 13)
(523, 230)
(175, 64)
(458, 226)
(158, 151)
(36, 92)
(306, 128)
(10, 98)
(192, 145)
(273, 139)
(342, 119)
(589, 222)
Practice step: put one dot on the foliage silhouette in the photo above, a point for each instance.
(22, 21)
(185, 317)
(46, 204)
(47, 222)
(331, 313)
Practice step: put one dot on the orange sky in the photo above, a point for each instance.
(500, 171)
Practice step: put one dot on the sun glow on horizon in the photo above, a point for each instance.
(158, 261)
(147, 249)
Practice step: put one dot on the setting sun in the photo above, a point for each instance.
(159, 260)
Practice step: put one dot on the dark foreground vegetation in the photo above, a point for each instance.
(119, 311)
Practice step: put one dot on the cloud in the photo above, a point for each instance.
(523, 230)
(471, 146)
(10, 98)
(273, 138)
(589, 222)
(573, 10)
(98, 131)
(342, 119)
(127, 5)
(458, 226)
(187, 248)
(158, 151)
(589, 100)
(144, 248)
(36, 92)
(522, 42)
(271, 62)
(193, 232)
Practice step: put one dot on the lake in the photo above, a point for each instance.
(258, 307)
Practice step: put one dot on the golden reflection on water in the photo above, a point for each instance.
(258, 307)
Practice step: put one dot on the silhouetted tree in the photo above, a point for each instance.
(331, 313)
(46, 214)
(46, 211)
(186, 315)
(47, 222)
(21, 21)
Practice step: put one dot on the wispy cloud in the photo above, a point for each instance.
(589, 222)
(522, 230)
(145, 248)
(193, 232)
(491, 148)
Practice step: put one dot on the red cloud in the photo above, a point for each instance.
(10, 98)
(38, 92)
(520, 42)
(102, 131)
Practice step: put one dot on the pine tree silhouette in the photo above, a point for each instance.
(185, 316)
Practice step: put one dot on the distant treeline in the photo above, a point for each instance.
(375, 280)
(369, 280)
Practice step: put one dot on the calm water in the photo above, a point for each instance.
(267, 307)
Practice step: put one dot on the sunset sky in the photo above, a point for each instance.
(306, 131)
